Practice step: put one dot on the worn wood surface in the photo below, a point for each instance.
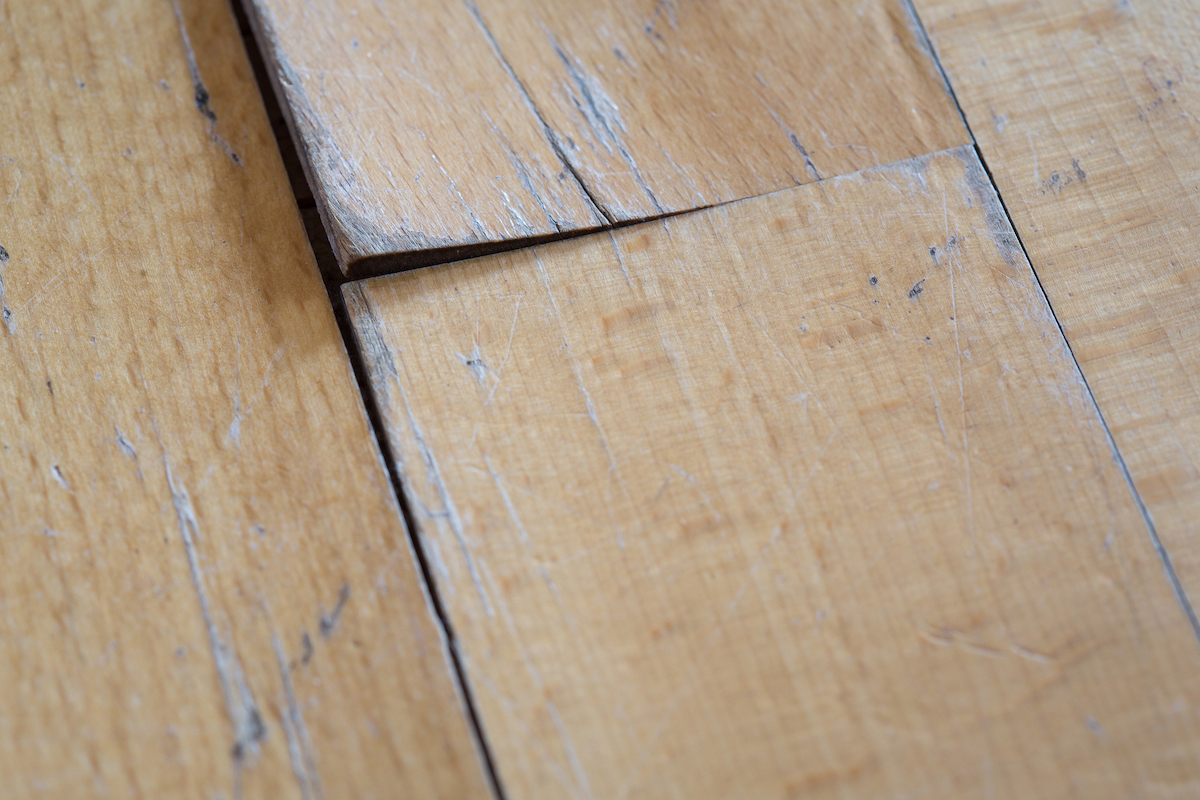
(665, 106)
(802, 496)
(207, 590)
(1086, 114)
(429, 127)
(416, 141)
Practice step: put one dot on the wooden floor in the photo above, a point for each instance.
(818, 414)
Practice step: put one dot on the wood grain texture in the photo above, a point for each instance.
(207, 589)
(413, 135)
(429, 127)
(663, 106)
(1086, 113)
(801, 496)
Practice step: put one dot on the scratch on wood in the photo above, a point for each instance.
(508, 503)
(128, 449)
(601, 215)
(795, 140)
(248, 726)
(602, 116)
(300, 749)
(201, 95)
(329, 621)
(58, 476)
(522, 171)
(569, 747)
(582, 386)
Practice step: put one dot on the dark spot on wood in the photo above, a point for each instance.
(202, 98)
(258, 732)
(1079, 173)
(306, 646)
(874, 281)
(916, 290)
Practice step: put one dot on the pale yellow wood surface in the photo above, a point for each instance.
(802, 496)
(206, 590)
(1086, 114)
(437, 125)
(414, 136)
(665, 106)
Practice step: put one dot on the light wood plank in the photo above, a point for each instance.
(207, 590)
(1086, 113)
(413, 135)
(664, 106)
(801, 496)
(430, 126)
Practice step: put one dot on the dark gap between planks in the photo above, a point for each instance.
(333, 279)
(1164, 556)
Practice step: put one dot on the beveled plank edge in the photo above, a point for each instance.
(363, 251)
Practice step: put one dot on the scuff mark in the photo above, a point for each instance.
(329, 621)
(249, 728)
(201, 95)
(300, 749)
(9, 323)
(983, 193)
